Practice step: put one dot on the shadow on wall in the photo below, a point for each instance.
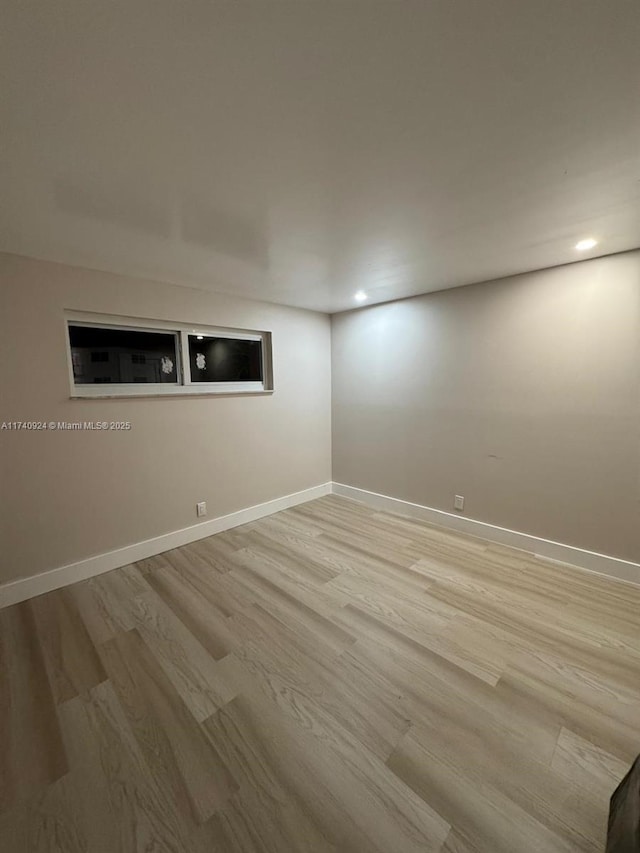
(140, 209)
(148, 210)
(228, 233)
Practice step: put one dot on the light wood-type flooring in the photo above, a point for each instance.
(330, 678)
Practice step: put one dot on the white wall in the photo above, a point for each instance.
(522, 394)
(67, 496)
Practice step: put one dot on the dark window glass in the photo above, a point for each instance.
(103, 354)
(215, 359)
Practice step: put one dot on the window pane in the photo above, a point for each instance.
(103, 354)
(215, 359)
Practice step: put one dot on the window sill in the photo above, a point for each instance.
(167, 395)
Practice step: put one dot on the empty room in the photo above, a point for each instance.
(320, 426)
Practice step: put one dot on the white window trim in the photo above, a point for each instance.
(184, 386)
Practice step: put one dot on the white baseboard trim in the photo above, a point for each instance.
(23, 588)
(602, 564)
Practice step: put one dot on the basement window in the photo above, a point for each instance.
(122, 357)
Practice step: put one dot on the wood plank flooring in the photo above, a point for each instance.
(330, 678)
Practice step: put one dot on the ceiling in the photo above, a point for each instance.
(298, 152)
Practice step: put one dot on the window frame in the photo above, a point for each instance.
(218, 387)
(185, 385)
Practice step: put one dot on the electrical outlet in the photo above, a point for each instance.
(201, 509)
(458, 502)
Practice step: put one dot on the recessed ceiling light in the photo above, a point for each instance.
(199, 337)
(586, 244)
(360, 296)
